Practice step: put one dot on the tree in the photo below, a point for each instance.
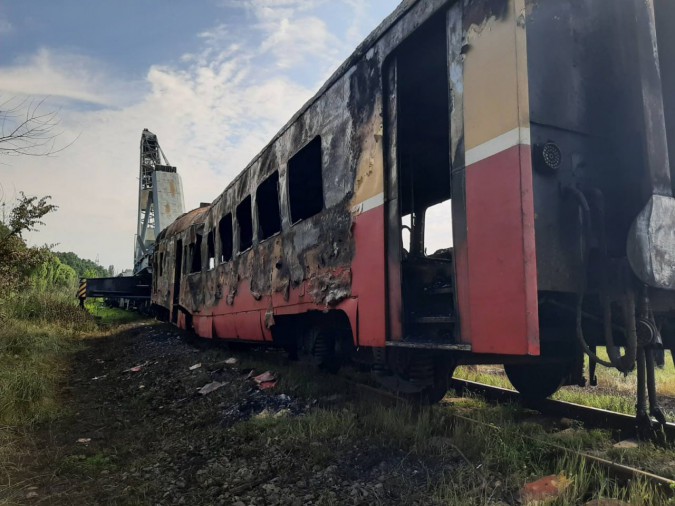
(27, 129)
(26, 215)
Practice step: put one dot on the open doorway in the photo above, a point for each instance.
(423, 162)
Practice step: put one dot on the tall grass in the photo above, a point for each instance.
(37, 331)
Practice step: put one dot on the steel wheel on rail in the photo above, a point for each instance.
(537, 381)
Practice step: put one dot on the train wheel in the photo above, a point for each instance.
(430, 373)
(441, 382)
(328, 344)
(537, 381)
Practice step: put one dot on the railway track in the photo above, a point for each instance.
(623, 424)
(592, 417)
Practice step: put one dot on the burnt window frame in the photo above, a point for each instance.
(221, 257)
(262, 235)
(240, 248)
(317, 139)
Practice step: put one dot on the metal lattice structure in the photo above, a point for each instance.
(160, 199)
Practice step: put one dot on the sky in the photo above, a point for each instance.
(214, 79)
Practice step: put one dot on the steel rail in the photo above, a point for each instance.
(592, 417)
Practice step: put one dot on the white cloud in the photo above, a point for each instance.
(296, 41)
(58, 74)
(212, 113)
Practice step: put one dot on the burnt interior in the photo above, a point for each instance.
(245, 221)
(225, 234)
(267, 202)
(305, 183)
(423, 153)
(177, 274)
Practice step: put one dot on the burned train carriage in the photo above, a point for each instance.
(539, 128)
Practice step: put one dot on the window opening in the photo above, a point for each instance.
(225, 232)
(245, 221)
(406, 229)
(438, 229)
(211, 247)
(305, 183)
(267, 202)
(196, 251)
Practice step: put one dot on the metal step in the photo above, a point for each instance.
(428, 320)
(429, 345)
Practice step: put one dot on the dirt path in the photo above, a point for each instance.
(138, 432)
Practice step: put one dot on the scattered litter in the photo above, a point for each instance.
(196, 366)
(99, 361)
(264, 377)
(136, 368)
(232, 361)
(141, 387)
(265, 380)
(627, 444)
(260, 405)
(250, 373)
(96, 378)
(282, 413)
(210, 387)
(31, 495)
(84, 440)
(544, 490)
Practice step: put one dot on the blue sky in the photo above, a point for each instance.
(214, 79)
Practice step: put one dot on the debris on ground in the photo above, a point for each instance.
(136, 368)
(195, 367)
(210, 387)
(545, 490)
(84, 440)
(627, 444)
(232, 361)
(266, 380)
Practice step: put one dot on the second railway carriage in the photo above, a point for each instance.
(482, 181)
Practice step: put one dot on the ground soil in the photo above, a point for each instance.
(136, 431)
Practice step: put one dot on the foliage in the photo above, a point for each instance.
(26, 215)
(53, 275)
(83, 268)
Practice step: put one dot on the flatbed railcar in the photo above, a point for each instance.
(544, 130)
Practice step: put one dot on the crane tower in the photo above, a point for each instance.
(160, 199)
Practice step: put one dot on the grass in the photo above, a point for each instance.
(110, 316)
(37, 333)
(482, 462)
(467, 463)
(615, 392)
